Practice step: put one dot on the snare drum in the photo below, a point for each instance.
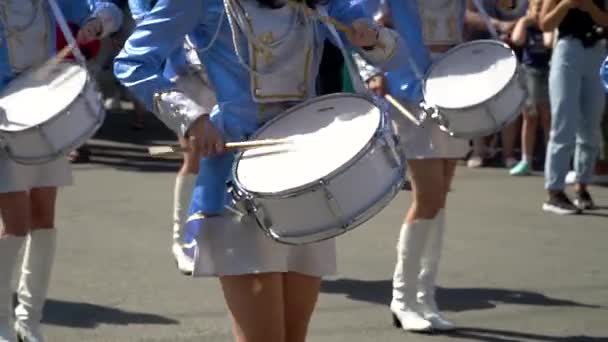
(46, 115)
(475, 89)
(343, 167)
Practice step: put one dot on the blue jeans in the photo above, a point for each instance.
(577, 103)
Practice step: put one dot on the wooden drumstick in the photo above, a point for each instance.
(231, 146)
(402, 109)
(61, 55)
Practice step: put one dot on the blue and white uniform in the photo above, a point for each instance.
(284, 47)
(27, 40)
(423, 24)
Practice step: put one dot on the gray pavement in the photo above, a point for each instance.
(509, 271)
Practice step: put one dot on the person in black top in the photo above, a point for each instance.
(577, 98)
(535, 46)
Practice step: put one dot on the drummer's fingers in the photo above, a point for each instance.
(219, 145)
(206, 147)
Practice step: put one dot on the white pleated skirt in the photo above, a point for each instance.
(231, 244)
(16, 177)
(429, 141)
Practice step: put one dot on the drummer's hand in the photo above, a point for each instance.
(92, 30)
(504, 27)
(204, 137)
(362, 34)
(377, 85)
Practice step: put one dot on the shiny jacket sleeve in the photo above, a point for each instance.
(140, 64)
(78, 12)
(386, 55)
(139, 8)
(407, 81)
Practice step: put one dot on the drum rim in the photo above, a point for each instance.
(377, 206)
(318, 182)
(462, 46)
(484, 133)
(88, 81)
(101, 112)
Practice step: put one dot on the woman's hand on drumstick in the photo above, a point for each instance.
(377, 85)
(90, 31)
(205, 137)
(362, 34)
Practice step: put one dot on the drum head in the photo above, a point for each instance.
(470, 74)
(34, 98)
(327, 133)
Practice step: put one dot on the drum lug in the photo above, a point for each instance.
(332, 203)
(259, 212)
(238, 204)
(432, 112)
(261, 216)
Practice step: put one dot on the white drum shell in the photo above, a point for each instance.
(64, 132)
(489, 116)
(339, 203)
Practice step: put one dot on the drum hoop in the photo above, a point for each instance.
(376, 206)
(311, 186)
(89, 81)
(61, 152)
(462, 46)
(487, 132)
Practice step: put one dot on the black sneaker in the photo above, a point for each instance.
(560, 204)
(583, 200)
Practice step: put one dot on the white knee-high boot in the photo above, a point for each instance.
(428, 274)
(181, 203)
(34, 283)
(404, 305)
(9, 250)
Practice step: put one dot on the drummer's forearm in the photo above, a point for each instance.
(473, 19)
(177, 111)
(111, 17)
(552, 14)
(158, 94)
(599, 16)
(519, 35)
(386, 50)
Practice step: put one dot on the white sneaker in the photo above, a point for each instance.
(510, 162)
(185, 264)
(475, 162)
(571, 177)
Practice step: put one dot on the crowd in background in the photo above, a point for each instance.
(521, 147)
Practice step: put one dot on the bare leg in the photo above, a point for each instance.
(428, 190)
(528, 137)
(508, 135)
(257, 306)
(300, 293)
(15, 208)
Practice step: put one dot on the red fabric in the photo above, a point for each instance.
(89, 50)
